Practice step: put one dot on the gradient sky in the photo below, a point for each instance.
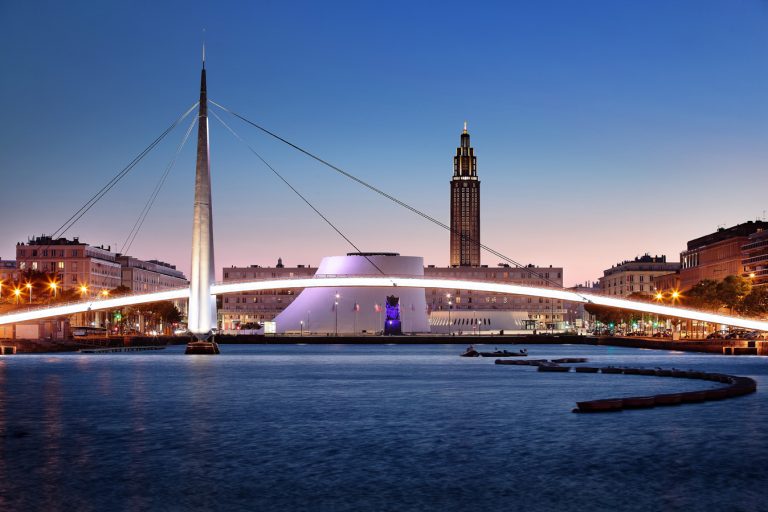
(603, 129)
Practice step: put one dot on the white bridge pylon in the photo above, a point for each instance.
(381, 282)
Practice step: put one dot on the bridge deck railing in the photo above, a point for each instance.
(394, 277)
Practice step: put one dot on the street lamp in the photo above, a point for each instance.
(29, 287)
(450, 325)
(301, 323)
(83, 290)
(105, 293)
(17, 294)
(53, 285)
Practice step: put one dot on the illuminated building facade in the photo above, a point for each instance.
(755, 258)
(717, 255)
(149, 276)
(75, 263)
(636, 276)
(359, 310)
(242, 310)
(465, 206)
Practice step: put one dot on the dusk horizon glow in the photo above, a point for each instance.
(598, 138)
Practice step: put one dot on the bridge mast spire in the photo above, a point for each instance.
(202, 306)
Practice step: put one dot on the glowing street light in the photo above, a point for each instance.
(83, 290)
(54, 286)
(301, 323)
(105, 293)
(17, 294)
(29, 287)
(659, 296)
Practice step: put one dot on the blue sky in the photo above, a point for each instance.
(603, 129)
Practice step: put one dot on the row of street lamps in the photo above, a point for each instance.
(53, 286)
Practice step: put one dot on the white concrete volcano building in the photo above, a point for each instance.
(357, 310)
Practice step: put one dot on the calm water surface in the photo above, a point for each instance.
(370, 428)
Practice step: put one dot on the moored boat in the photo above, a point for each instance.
(553, 368)
(570, 360)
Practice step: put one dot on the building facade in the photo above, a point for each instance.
(636, 276)
(465, 206)
(533, 312)
(76, 263)
(719, 254)
(359, 310)
(149, 276)
(497, 311)
(8, 272)
(239, 310)
(755, 258)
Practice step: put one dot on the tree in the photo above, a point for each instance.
(732, 290)
(705, 295)
(755, 303)
(120, 291)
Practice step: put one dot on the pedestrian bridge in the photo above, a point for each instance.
(333, 281)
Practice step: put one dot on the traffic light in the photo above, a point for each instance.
(118, 316)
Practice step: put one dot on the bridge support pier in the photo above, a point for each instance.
(202, 347)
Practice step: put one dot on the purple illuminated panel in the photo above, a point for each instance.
(392, 321)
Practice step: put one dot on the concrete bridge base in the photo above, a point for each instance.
(202, 347)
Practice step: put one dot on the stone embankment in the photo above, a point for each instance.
(735, 386)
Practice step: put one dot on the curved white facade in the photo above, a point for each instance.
(359, 309)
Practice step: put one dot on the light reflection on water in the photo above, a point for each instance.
(337, 427)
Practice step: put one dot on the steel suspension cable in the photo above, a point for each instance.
(295, 191)
(153, 196)
(115, 179)
(386, 195)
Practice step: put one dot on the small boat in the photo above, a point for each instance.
(570, 360)
(505, 353)
(553, 368)
(472, 352)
